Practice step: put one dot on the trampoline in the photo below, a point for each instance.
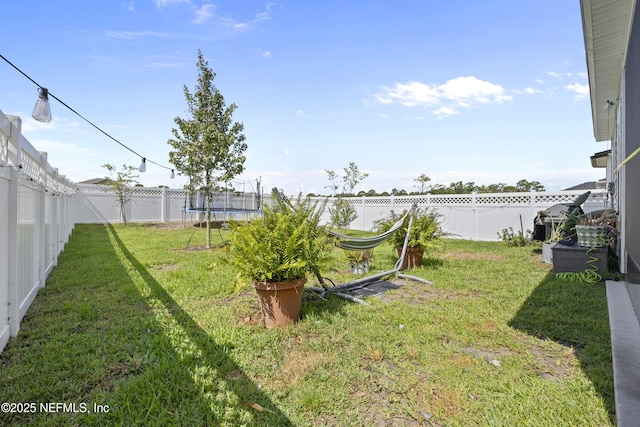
(227, 204)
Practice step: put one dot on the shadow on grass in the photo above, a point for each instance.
(213, 357)
(574, 315)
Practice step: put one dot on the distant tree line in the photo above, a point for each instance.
(423, 186)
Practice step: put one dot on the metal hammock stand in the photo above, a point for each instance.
(362, 244)
(365, 243)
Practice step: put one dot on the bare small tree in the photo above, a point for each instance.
(121, 182)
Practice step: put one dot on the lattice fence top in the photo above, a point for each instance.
(481, 199)
(507, 199)
(451, 200)
(4, 148)
(30, 166)
(144, 191)
(378, 201)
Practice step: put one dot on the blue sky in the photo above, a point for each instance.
(491, 91)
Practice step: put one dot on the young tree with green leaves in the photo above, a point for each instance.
(422, 183)
(208, 145)
(121, 182)
(342, 213)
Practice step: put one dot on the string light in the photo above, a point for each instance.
(42, 112)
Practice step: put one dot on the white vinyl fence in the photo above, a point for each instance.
(35, 223)
(473, 216)
(468, 216)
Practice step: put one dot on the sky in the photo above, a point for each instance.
(477, 91)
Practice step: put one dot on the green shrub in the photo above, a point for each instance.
(516, 239)
(285, 244)
(426, 231)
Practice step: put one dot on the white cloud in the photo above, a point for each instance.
(449, 97)
(444, 112)
(531, 91)
(133, 35)
(206, 13)
(169, 3)
(301, 113)
(203, 13)
(266, 54)
(59, 147)
(383, 116)
(247, 25)
(581, 90)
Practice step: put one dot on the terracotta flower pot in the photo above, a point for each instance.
(280, 302)
(413, 257)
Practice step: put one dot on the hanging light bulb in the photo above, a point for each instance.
(42, 110)
(173, 174)
(143, 165)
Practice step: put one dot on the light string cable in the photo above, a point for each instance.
(84, 118)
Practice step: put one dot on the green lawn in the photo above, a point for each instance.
(135, 327)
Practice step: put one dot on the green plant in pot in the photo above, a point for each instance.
(358, 261)
(425, 235)
(596, 229)
(277, 251)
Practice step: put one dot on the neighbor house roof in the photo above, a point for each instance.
(94, 181)
(606, 27)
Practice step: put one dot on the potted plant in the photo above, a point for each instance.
(556, 234)
(277, 251)
(358, 261)
(425, 234)
(594, 229)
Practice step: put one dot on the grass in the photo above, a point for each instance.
(135, 329)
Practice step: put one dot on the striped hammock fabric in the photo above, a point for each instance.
(351, 243)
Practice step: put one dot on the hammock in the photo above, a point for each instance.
(364, 243)
(351, 243)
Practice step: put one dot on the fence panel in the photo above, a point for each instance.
(467, 216)
(470, 216)
(5, 179)
(34, 223)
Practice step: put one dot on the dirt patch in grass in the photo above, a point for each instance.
(168, 266)
(383, 404)
(120, 370)
(297, 365)
(490, 356)
(480, 256)
(553, 366)
(165, 225)
(203, 247)
(414, 293)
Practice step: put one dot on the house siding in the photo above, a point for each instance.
(631, 170)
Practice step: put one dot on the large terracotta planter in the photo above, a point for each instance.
(413, 257)
(280, 302)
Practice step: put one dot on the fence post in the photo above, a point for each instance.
(55, 226)
(474, 209)
(12, 232)
(164, 205)
(41, 218)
